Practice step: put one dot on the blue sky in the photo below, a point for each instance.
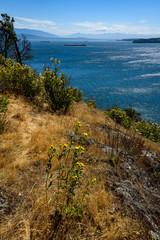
(64, 17)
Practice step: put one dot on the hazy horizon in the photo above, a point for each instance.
(64, 18)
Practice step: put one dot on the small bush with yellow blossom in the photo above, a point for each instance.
(70, 195)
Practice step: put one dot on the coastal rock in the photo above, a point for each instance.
(73, 135)
(90, 141)
(3, 203)
(155, 235)
(77, 138)
(129, 191)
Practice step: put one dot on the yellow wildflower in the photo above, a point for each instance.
(79, 124)
(80, 147)
(85, 134)
(80, 164)
(74, 177)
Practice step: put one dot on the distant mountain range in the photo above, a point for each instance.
(41, 35)
(34, 34)
(111, 36)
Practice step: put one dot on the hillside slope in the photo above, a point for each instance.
(123, 204)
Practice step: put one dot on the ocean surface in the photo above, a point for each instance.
(113, 73)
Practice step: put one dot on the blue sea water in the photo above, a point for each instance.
(113, 73)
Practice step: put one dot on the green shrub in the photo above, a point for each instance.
(92, 103)
(149, 130)
(23, 80)
(59, 94)
(3, 112)
(19, 79)
(120, 116)
(130, 112)
(77, 94)
(130, 118)
(117, 114)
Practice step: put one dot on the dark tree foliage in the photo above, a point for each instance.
(10, 45)
(130, 112)
(25, 48)
(6, 34)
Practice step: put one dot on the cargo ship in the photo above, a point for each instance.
(75, 45)
(45, 41)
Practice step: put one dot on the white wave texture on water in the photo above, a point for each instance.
(127, 91)
(150, 75)
(100, 60)
(151, 54)
(130, 91)
(121, 57)
(149, 50)
(150, 61)
(147, 55)
(156, 84)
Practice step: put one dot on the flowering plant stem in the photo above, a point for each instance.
(68, 200)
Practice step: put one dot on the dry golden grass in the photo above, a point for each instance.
(23, 158)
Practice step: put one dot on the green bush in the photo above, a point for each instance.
(130, 112)
(59, 94)
(3, 112)
(91, 103)
(120, 116)
(149, 130)
(77, 94)
(19, 79)
(130, 118)
(22, 80)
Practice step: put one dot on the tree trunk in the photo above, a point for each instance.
(17, 52)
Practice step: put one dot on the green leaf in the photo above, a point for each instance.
(51, 175)
(50, 184)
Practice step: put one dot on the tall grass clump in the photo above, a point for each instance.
(3, 112)
(59, 94)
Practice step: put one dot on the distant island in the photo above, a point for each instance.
(149, 40)
(127, 40)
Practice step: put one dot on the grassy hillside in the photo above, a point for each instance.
(124, 200)
(110, 213)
